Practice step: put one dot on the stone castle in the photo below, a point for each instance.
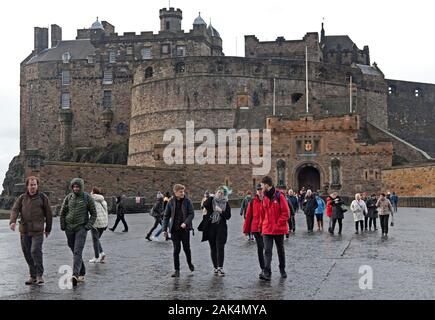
(97, 107)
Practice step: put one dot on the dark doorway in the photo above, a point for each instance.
(309, 177)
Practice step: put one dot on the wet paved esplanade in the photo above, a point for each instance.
(319, 266)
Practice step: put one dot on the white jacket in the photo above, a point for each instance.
(102, 212)
(358, 209)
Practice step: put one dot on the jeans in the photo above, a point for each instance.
(292, 222)
(260, 248)
(395, 206)
(384, 222)
(178, 238)
(120, 217)
(96, 235)
(32, 250)
(76, 242)
(340, 225)
(310, 222)
(268, 246)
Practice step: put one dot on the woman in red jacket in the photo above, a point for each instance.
(274, 225)
(252, 223)
(329, 211)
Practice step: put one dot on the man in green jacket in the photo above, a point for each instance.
(33, 210)
(76, 222)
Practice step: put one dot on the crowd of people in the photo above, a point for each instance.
(269, 217)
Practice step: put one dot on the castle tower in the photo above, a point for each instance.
(170, 19)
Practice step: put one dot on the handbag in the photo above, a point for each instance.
(204, 223)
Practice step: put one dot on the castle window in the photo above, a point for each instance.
(112, 56)
(90, 59)
(417, 92)
(146, 53)
(280, 168)
(66, 101)
(148, 72)
(66, 77)
(30, 104)
(180, 67)
(165, 49)
(335, 173)
(181, 51)
(66, 57)
(227, 182)
(391, 90)
(129, 50)
(296, 97)
(168, 25)
(108, 77)
(107, 99)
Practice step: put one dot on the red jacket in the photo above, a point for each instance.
(253, 216)
(329, 207)
(275, 215)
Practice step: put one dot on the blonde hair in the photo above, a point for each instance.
(358, 195)
(178, 187)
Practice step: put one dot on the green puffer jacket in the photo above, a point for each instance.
(76, 208)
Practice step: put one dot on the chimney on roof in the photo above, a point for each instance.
(40, 39)
(56, 35)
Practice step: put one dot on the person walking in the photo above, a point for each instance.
(157, 214)
(179, 215)
(120, 212)
(309, 207)
(337, 213)
(252, 223)
(215, 230)
(274, 225)
(385, 209)
(394, 201)
(319, 212)
(33, 211)
(359, 210)
(372, 211)
(244, 206)
(99, 226)
(293, 203)
(329, 212)
(76, 222)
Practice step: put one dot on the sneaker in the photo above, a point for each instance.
(220, 272)
(94, 260)
(176, 274)
(125, 230)
(191, 267)
(356, 232)
(31, 281)
(287, 235)
(102, 257)
(40, 281)
(264, 277)
(215, 271)
(283, 274)
(148, 238)
(81, 279)
(74, 281)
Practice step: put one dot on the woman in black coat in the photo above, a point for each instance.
(214, 227)
(337, 213)
(372, 211)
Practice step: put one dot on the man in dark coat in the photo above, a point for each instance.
(309, 205)
(178, 216)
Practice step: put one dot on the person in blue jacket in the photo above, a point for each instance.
(319, 212)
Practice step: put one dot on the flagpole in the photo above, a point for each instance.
(306, 73)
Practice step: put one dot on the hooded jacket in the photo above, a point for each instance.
(76, 208)
(275, 215)
(253, 216)
(187, 214)
(102, 215)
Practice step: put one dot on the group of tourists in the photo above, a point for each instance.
(269, 217)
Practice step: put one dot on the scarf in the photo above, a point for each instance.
(218, 203)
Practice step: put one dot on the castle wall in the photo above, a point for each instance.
(412, 117)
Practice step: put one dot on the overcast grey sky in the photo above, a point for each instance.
(399, 34)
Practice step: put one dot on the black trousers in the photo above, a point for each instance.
(366, 222)
(178, 238)
(361, 223)
(340, 225)
(384, 222)
(157, 221)
(120, 217)
(310, 222)
(217, 238)
(260, 248)
(268, 246)
(372, 220)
